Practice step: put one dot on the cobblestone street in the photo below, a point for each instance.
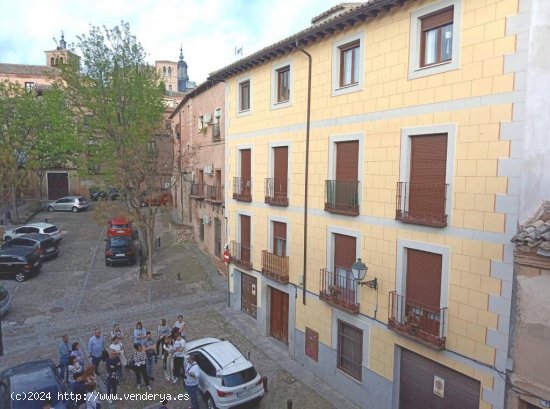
(76, 293)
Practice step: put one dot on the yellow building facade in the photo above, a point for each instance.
(410, 157)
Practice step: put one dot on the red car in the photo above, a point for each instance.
(156, 199)
(119, 226)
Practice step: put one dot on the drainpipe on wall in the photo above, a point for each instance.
(308, 120)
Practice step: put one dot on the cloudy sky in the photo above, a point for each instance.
(209, 30)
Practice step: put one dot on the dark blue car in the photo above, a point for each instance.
(30, 385)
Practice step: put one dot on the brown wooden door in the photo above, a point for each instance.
(428, 175)
(58, 185)
(245, 238)
(423, 291)
(248, 294)
(416, 385)
(280, 171)
(344, 257)
(279, 315)
(246, 170)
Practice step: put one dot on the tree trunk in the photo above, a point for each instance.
(150, 258)
(15, 215)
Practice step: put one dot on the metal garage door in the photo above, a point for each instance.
(425, 384)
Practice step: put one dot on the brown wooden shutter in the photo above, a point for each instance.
(424, 277)
(344, 251)
(245, 164)
(347, 158)
(428, 174)
(281, 162)
(245, 230)
(439, 19)
(279, 230)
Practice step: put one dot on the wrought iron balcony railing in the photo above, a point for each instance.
(275, 266)
(242, 189)
(240, 255)
(214, 194)
(197, 191)
(276, 191)
(417, 320)
(339, 290)
(342, 197)
(421, 203)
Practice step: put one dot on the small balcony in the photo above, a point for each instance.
(214, 194)
(339, 290)
(342, 197)
(240, 255)
(216, 132)
(275, 267)
(197, 191)
(276, 192)
(242, 189)
(421, 203)
(418, 321)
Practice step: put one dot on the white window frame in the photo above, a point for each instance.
(333, 140)
(270, 221)
(415, 70)
(405, 158)
(249, 110)
(275, 84)
(401, 271)
(336, 89)
(271, 170)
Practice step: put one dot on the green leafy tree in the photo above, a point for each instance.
(16, 127)
(121, 97)
(54, 141)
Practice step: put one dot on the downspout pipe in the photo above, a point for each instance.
(308, 121)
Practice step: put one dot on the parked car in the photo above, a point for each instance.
(46, 246)
(227, 378)
(119, 226)
(19, 262)
(120, 250)
(109, 194)
(157, 198)
(39, 380)
(69, 203)
(42, 228)
(5, 300)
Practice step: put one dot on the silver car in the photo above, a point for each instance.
(42, 228)
(69, 203)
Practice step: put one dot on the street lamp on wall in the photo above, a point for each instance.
(359, 271)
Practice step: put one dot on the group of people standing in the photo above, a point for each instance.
(168, 343)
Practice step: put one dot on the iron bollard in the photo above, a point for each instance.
(179, 276)
(158, 242)
(264, 381)
(46, 220)
(289, 404)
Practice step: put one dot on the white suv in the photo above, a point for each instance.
(227, 378)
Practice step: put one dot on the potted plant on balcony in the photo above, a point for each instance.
(334, 292)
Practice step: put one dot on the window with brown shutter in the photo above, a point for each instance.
(350, 350)
(244, 96)
(283, 84)
(349, 64)
(279, 239)
(245, 238)
(436, 42)
(342, 194)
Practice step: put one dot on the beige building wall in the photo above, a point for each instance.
(476, 103)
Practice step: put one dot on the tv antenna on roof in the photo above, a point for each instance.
(239, 50)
